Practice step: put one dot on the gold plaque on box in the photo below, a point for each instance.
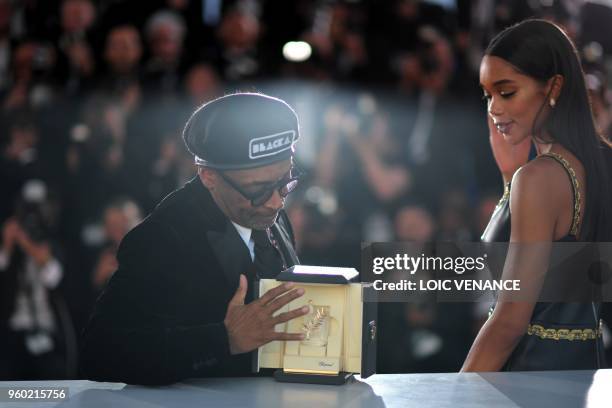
(339, 329)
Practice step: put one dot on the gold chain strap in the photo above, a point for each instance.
(575, 187)
(564, 334)
(505, 196)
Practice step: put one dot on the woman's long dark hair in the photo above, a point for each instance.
(541, 50)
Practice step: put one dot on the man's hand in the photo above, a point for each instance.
(251, 326)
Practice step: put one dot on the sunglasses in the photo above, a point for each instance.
(284, 186)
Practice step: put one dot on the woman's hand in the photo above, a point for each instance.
(509, 157)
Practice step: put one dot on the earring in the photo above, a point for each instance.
(552, 102)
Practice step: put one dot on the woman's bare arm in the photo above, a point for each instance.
(534, 207)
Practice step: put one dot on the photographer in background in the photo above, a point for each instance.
(31, 83)
(29, 271)
(120, 216)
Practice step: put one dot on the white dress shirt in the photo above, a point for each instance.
(245, 234)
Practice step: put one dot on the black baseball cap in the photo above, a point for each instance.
(241, 131)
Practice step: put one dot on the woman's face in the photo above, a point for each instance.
(513, 99)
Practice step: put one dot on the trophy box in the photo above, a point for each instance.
(339, 329)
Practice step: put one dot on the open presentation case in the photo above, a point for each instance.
(340, 328)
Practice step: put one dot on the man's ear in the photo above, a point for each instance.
(208, 177)
(554, 86)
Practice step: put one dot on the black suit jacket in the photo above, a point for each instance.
(160, 319)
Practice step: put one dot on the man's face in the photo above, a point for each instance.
(252, 181)
(123, 50)
(166, 43)
(77, 15)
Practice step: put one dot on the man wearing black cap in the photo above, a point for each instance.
(181, 302)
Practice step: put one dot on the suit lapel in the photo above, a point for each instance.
(228, 248)
(231, 252)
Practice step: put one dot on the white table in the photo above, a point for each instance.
(557, 389)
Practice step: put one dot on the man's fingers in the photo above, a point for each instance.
(285, 317)
(281, 301)
(241, 292)
(273, 293)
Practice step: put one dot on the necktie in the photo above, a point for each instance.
(268, 262)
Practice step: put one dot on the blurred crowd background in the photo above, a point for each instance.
(94, 95)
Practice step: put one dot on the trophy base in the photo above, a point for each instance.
(340, 379)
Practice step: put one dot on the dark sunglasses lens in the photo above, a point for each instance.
(262, 199)
(283, 190)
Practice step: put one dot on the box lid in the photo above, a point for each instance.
(318, 274)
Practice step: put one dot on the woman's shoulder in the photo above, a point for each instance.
(538, 176)
(536, 201)
(541, 193)
(542, 182)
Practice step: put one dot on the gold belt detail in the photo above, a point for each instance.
(564, 334)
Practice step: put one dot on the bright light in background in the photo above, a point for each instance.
(324, 200)
(297, 51)
(366, 104)
(593, 51)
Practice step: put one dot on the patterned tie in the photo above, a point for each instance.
(268, 262)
